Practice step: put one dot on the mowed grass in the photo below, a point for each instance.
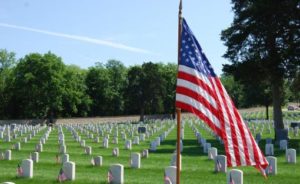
(196, 168)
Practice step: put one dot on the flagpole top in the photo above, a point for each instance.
(180, 7)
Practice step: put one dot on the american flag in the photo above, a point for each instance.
(167, 179)
(201, 92)
(61, 176)
(270, 171)
(109, 177)
(19, 170)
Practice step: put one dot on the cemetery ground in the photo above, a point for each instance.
(196, 167)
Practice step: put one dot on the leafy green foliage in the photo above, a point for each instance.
(7, 62)
(263, 45)
(38, 85)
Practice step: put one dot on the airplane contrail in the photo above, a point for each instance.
(79, 38)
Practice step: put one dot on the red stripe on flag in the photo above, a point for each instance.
(197, 81)
(199, 98)
(198, 113)
(231, 123)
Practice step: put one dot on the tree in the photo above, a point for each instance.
(7, 63)
(169, 76)
(97, 82)
(234, 89)
(117, 75)
(265, 37)
(153, 88)
(38, 85)
(295, 87)
(75, 100)
(134, 92)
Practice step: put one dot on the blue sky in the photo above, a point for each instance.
(132, 31)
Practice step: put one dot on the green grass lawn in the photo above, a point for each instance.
(196, 168)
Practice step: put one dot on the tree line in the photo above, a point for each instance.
(41, 85)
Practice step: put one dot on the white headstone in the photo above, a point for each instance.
(116, 174)
(96, 140)
(269, 149)
(272, 167)
(153, 146)
(35, 157)
(69, 170)
(63, 149)
(105, 143)
(157, 141)
(182, 133)
(61, 142)
(115, 152)
(142, 137)
(135, 161)
(115, 140)
(124, 136)
(181, 146)
(65, 158)
(206, 147)
(27, 167)
(170, 174)
(18, 146)
(220, 163)
(8, 138)
(79, 139)
(128, 145)
(145, 153)
(43, 141)
(88, 150)
(235, 176)
(39, 147)
(291, 156)
(212, 153)
(24, 139)
(82, 143)
(7, 155)
(174, 160)
(136, 140)
(283, 144)
(98, 161)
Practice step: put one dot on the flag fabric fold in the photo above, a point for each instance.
(201, 92)
(61, 176)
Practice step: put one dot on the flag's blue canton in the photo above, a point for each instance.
(191, 54)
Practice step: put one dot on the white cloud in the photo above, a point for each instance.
(79, 38)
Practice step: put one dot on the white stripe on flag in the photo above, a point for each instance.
(194, 103)
(195, 73)
(197, 89)
(227, 132)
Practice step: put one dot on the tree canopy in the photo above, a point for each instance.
(42, 86)
(263, 45)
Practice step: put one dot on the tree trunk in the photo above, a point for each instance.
(142, 113)
(280, 132)
(267, 111)
(277, 112)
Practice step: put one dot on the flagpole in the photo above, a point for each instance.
(178, 110)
